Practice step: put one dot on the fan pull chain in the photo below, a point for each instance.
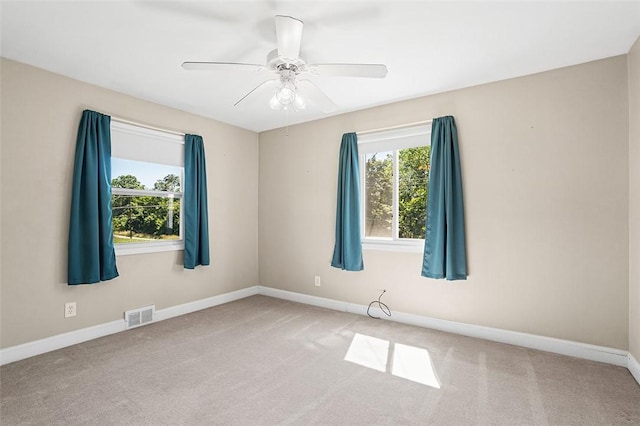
(287, 118)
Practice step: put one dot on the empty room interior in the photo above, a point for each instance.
(320, 212)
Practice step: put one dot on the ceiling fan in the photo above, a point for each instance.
(290, 88)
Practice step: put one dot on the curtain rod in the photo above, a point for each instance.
(146, 126)
(400, 126)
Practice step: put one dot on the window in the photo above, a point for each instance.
(147, 169)
(394, 173)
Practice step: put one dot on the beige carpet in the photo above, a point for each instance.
(263, 361)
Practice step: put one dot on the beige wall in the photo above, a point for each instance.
(545, 171)
(40, 116)
(547, 187)
(634, 200)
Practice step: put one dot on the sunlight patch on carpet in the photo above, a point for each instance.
(414, 364)
(408, 362)
(369, 352)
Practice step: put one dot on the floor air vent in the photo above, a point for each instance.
(138, 317)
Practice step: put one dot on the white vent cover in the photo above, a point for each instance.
(140, 316)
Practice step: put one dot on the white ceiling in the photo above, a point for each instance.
(137, 47)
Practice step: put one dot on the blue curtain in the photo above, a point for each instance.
(196, 219)
(444, 245)
(91, 257)
(347, 253)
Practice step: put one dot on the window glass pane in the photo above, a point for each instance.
(413, 168)
(140, 175)
(378, 194)
(143, 219)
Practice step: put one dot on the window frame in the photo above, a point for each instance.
(389, 140)
(131, 130)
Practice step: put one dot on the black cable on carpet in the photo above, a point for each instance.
(383, 307)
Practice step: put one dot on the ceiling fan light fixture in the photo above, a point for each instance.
(286, 90)
(286, 94)
(274, 104)
(299, 103)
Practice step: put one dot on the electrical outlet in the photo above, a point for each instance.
(317, 281)
(70, 309)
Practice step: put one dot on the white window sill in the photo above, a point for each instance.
(407, 246)
(141, 248)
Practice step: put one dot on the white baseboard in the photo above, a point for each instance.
(548, 344)
(307, 299)
(634, 367)
(187, 308)
(37, 347)
(48, 344)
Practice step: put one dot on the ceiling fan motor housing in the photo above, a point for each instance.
(277, 63)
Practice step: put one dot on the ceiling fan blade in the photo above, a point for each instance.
(256, 89)
(212, 66)
(350, 70)
(315, 97)
(289, 35)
